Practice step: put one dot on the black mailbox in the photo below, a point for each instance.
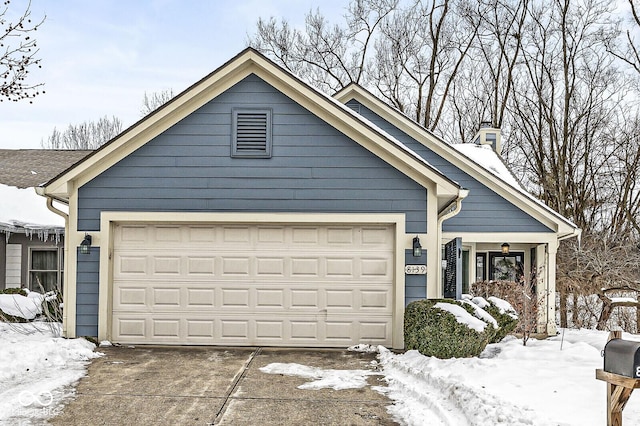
(622, 357)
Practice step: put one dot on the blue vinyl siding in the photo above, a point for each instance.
(189, 168)
(483, 210)
(415, 286)
(314, 168)
(87, 280)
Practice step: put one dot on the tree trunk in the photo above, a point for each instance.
(605, 313)
(563, 309)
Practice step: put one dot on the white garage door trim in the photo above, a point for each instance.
(110, 219)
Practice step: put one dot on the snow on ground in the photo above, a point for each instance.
(548, 382)
(334, 379)
(38, 370)
(510, 384)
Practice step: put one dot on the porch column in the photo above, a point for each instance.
(552, 250)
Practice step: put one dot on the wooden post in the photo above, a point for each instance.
(619, 389)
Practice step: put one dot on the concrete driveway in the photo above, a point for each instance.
(213, 385)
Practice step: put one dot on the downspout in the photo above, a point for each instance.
(65, 216)
(55, 210)
(576, 233)
(40, 191)
(446, 213)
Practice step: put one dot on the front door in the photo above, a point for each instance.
(508, 267)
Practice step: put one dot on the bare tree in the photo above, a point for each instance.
(18, 50)
(329, 56)
(155, 100)
(87, 135)
(419, 55)
(493, 61)
(563, 107)
(628, 48)
(408, 52)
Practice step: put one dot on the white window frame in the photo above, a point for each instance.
(59, 266)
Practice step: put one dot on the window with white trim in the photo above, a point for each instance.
(251, 133)
(45, 269)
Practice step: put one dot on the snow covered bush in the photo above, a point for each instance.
(520, 297)
(24, 306)
(507, 321)
(19, 291)
(445, 329)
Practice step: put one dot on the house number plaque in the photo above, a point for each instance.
(415, 269)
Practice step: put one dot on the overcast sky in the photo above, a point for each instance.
(99, 57)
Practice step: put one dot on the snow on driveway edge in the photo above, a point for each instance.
(419, 393)
(38, 371)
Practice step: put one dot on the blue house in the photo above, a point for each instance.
(254, 210)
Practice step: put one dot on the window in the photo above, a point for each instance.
(465, 271)
(45, 269)
(251, 133)
(481, 270)
(506, 267)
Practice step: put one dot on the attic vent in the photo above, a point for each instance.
(251, 135)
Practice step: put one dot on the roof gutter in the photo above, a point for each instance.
(450, 211)
(40, 191)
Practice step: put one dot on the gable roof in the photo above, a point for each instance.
(507, 188)
(26, 168)
(248, 62)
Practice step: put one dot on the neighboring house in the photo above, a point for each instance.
(31, 236)
(254, 210)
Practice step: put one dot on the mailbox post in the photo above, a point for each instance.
(624, 377)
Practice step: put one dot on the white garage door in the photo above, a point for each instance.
(257, 285)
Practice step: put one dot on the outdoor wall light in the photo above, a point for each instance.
(505, 248)
(85, 245)
(417, 248)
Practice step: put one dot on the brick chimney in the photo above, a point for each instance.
(489, 135)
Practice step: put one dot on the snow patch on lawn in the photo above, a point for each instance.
(38, 370)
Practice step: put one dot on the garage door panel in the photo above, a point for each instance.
(163, 265)
(300, 285)
(235, 298)
(198, 298)
(296, 330)
(270, 298)
(202, 266)
(234, 329)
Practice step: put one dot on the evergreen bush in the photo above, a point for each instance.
(434, 332)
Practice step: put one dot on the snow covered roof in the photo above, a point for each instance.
(485, 156)
(23, 211)
(25, 168)
(21, 170)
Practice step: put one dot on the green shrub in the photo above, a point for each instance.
(506, 322)
(19, 291)
(434, 332)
